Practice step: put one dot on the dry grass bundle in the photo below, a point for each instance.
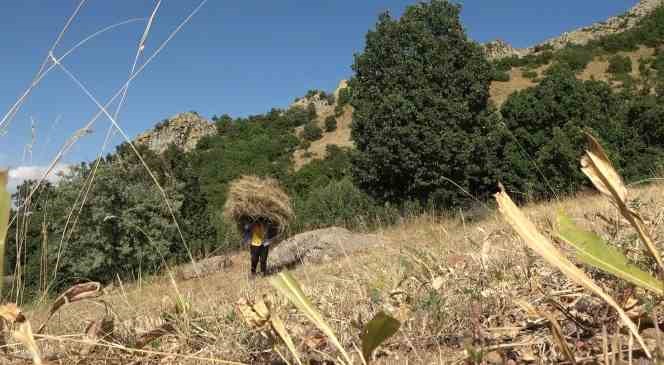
(254, 198)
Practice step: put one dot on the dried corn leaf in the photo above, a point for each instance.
(597, 166)
(556, 330)
(74, 294)
(9, 312)
(23, 334)
(253, 316)
(154, 334)
(280, 329)
(258, 314)
(543, 247)
(290, 288)
(97, 330)
(592, 250)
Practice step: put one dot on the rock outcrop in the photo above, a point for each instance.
(184, 130)
(322, 104)
(500, 49)
(616, 24)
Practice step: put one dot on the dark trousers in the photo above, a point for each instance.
(259, 253)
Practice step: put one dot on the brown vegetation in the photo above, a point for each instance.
(254, 198)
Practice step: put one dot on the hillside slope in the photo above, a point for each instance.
(581, 36)
(521, 78)
(443, 278)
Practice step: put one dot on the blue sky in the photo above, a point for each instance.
(236, 57)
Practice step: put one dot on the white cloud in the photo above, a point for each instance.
(17, 175)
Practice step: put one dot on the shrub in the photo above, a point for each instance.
(643, 147)
(502, 76)
(305, 144)
(543, 47)
(418, 108)
(658, 63)
(530, 74)
(295, 117)
(548, 121)
(576, 57)
(311, 92)
(312, 132)
(311, 111)
(330, 124)
(339, 203)
(620, 65)
(127, 230)
(344, 96)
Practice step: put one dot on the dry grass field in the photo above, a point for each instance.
(453, 284)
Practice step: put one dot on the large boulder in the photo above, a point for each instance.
(318, 246)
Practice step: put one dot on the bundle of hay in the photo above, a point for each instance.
(251, 198)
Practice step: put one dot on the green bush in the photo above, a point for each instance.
(330, 124)
(530, 74)
(620, 65)
(575, 57)
(419, 108)
(344, 96)
(128, 230)
(305, 144)
(543, 47)
(534, 60)
(502, 76)
(312, 132)
(546, 125)
(311, 111)
(658, 63)
(340, 203)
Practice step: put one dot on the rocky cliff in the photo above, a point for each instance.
(616, 24)
(184, 130)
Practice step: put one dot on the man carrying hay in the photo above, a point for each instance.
(262, 211)
(258, 235)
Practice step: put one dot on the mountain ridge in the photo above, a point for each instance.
(500, 49)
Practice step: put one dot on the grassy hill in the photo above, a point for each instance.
(634, 35)
(462, 284)
(451, 283)
(596, 69)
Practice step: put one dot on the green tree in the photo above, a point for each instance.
(344, 96)
(576, 57)
(620, 65)
(419, 92)
(330, 124)
(547, 122)
(312, 132)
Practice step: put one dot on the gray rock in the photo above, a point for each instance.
(184, 130)
(318, 246)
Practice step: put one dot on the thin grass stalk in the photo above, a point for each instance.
(87, 127)
(4, 219)
(15, 108)
(90, 179)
